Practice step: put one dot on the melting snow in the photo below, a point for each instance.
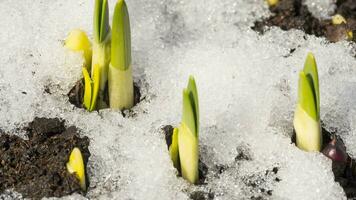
(247, 85)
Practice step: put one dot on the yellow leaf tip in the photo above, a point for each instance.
(75, 165)
(338, 19)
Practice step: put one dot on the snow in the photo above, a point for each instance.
(247, 85)
(321, 9)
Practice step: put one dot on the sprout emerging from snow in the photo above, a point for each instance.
(184, 149)
(115, 51)
(101, 52)
(121, 89)
(75, 165)
(307, 113)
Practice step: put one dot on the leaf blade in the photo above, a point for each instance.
(311, 72)
(306, 97)
(121, 37)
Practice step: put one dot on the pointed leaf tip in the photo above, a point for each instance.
(121, 37)
(75, 165)
(311, 72)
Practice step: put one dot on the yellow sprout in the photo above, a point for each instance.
(76, 165)
(350, 35)
(77, 40)
(272, 2)
(338, 19)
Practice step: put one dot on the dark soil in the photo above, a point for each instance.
(203, 168)
(36, 167)
(76, 94)
(292, 14)
(201, 195)
(344, 173)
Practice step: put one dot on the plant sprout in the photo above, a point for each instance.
(77, 40)
(101, 52)
(121, 89)
(184, 149)
(272, 2)
(307, 113)
(76, 165)
(338, 20)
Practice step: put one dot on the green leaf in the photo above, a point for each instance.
(311, 72)
(193, 95)
(306, 96)
(188, 117)
(121, 37)
(87, 88)
(101, 20)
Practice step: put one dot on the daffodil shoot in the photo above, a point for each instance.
(188, 134)
(75, 165)
(307, 113)
(184, 148)
(121, 89)
(107, 71)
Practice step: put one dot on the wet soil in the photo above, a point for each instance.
(76, 94)
(292, 14)
(344, 173)
(201, 195)
(36, 167)
(202, 167)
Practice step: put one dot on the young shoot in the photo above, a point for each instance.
(307, 114)
(75, 165)
(121, 89)
(272, 2)
(184, 149)
(338, 19)
(101, 51)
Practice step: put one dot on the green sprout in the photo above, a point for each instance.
(121, 89)
(184, 149)
(307, 113)
(101, 52)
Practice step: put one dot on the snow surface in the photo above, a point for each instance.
(247, 86)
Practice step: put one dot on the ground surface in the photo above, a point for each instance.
(36, 166)
(247, 86)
